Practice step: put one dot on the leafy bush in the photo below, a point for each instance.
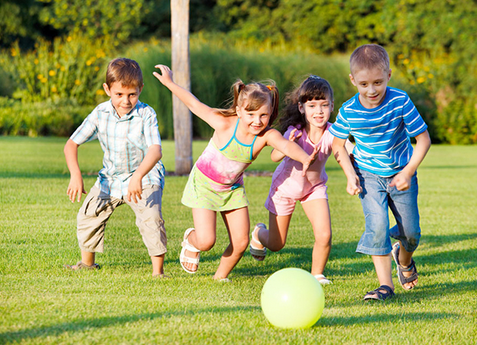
(59, 118)
(70, 68)
(216, 66)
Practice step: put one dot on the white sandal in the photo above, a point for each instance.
(254, 251)
(322, 279)
(187, 246)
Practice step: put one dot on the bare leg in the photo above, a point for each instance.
(382, 264)
(275, 237)
(87, 258)
(203, 237)
(157, 264)
(405, 258)
(238, 227)
(318, 213)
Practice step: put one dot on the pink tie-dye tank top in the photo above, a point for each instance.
(225, 166)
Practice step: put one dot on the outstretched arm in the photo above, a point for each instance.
(290, 149)
(154, 153)
(76, 185)
(200, 109)
(276, 155)
(342, 157)
(402, 180)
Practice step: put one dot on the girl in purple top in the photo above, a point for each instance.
(305, 122)
(215, 183)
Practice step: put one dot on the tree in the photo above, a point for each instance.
(181, 68)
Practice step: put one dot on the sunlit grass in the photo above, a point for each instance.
(41, 303)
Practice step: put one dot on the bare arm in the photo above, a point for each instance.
(276, 155)
(402, 180)
(290, 149)
(206, 113)
(154, 153)
(76, 185)
(342, 157)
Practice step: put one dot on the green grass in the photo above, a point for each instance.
(41, 303)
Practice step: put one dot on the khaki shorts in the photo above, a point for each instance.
(98, 207)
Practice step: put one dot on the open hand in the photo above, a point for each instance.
(75, 189)
(311, 159)
(165, 76)
(294, 137)
(134, 189)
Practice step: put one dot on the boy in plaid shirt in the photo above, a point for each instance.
(132, 171)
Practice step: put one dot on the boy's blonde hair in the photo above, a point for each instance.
(124, 71)
(369, 56)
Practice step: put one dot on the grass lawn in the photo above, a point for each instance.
(41, 303)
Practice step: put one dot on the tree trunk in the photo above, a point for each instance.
(181, 69)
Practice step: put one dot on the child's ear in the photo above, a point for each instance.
(106, 89)
(300, 108)
(389, 74)
(332, 106)
(352, 79)
(140, 88)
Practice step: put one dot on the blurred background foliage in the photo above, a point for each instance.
(54, 53)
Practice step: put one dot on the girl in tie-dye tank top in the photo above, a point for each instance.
(216, 181)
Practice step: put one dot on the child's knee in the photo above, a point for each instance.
(204, 244)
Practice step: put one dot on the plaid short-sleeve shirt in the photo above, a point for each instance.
(125, 141)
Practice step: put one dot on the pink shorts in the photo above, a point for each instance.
(282, 205)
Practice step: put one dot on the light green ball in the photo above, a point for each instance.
(292, 298)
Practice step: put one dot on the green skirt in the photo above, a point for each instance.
(202, 192)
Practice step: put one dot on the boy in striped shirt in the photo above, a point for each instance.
(382, 120)
(132, 171)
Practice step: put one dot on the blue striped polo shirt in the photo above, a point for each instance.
(382, 134)
(125, 141)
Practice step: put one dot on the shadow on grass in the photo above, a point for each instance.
(91, 324)
(382, 318)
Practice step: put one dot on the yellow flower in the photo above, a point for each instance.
(13, 52)
(40, 76)
(44, 80)
(88, 63)
(62, 68)
(54, 89)
(430, 75)
(100, 92)
(36, 61)
(69, 39)
(405, 61)
(77, 82)
(401, 56)
(145, 49)
(412, 82)
(96, 68)
(51, 73)
(421, 80)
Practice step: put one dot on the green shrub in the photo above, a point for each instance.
(70, 68)
(59, 118)
(216, 65)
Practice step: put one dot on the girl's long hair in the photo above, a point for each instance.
(254, 96)
(312, 88)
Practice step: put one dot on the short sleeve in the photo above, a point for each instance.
(151, 129)
(88, 130)
(414, 122)
(340, 127)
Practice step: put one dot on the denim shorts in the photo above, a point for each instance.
(376, 198)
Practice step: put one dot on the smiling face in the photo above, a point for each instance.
(317, 112)
(124, 98)
(371, 84)
(254, 121)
